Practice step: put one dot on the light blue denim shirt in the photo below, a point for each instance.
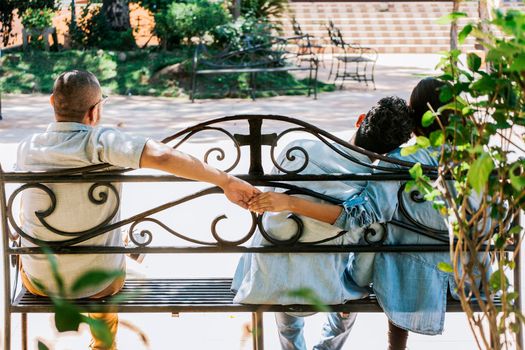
(409, 286)
(267, 278)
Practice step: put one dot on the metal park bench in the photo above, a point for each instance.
(354, 62)
(255, 135)
(254, 58)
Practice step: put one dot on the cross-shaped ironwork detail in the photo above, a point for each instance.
(255, 140)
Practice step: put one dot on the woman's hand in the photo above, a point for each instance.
(270, 201)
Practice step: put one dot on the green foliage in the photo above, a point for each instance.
(67, 315)
(264, 9)
(453, 16)
(479, 172)
(99, 329)
(135, 73)
(42, 346)
(93, 31)
(154, 5)
(445, 267)
(309, 297)
(482, 158)
(243, 32)
(95, 278)
(9, 7)
(184, 21)
(37, 18)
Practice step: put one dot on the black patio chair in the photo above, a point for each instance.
(354, 62)
(308, 46)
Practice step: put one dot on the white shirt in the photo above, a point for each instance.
(71, 145)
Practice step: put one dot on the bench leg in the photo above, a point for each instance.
(24, 331)
(7, 328)
(518, 301)
(257, 331)
(193, 83)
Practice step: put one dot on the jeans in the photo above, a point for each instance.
(335, 331)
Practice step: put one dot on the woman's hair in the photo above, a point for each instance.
(427, 93)
(386, 126)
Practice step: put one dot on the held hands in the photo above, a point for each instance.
(239, 191)
(270, 201)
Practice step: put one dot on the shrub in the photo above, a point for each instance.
(154, 5)
(37, 18)
(94, 31)
(243, 32)
(8, 7)
(264, 9)
(186, 20)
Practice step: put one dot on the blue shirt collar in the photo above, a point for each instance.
(67, 126)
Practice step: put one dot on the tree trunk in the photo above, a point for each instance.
(485, 8)
(117, 14)
(236, 9)
(454, 27)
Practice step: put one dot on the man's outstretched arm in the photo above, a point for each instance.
(162, 157)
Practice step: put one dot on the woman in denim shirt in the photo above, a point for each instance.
(410, 288)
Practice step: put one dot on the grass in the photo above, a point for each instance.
(130, 73)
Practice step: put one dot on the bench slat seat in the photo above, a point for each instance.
(188, 295)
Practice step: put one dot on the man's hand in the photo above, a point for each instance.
(239, 191)
(270, 201)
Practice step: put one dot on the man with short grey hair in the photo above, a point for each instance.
(76, 140)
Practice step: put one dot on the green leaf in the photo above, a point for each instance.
(479, 172)
(51, 258)
(517, 181)
(445, 267)
(496, 279)
(428, 118)
(95, 278)
(408, 150)
(473, 62)
(42, 346)
(512, 296)
(514, 230)
(310, 297)
(423, 142)
(416, 171)
(486, 83)
(100, 330)
(518, 65)
(448, 18)
(437, 138)
(67, 316)
(464, 33)
(445, 94)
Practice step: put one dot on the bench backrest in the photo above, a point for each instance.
(255, 140)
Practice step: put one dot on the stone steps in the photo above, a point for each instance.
(397, 27)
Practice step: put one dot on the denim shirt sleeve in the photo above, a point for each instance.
(375, 204)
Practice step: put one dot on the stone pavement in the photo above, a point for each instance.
(159, 117)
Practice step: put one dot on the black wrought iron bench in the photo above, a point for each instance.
(253, 58)
(181, 295)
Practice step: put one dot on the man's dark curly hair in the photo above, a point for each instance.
(386, 126)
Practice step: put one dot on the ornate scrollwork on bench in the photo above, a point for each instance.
(255, 139)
